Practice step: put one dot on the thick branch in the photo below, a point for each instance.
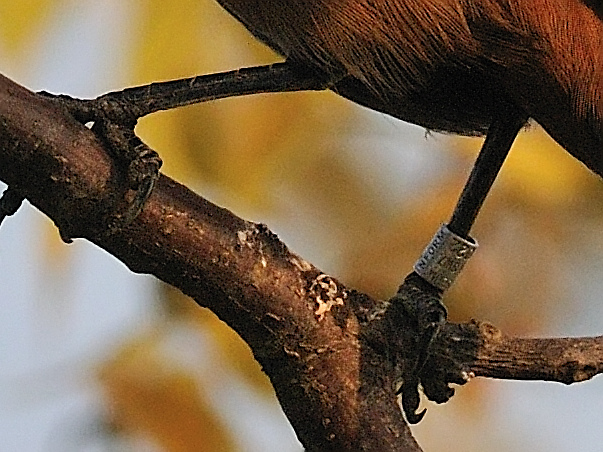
(238, 269)
(334, 356)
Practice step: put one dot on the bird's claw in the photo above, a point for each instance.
(411, 400)
(143, 173)
(429, 315)
(115, 126)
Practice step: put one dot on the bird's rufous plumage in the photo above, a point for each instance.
(451, 65)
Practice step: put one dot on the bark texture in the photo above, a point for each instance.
(334, 355)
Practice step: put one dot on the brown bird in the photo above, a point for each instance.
(452, 65)
(469, 67)
(461, 66)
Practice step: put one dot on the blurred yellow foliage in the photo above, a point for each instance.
(218, 143)
(150, 395)
(521, 229)
(23, 20)
(294, 145)
(538, 171)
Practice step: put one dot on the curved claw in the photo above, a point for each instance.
(411, 400)
(114, 124)
(425, 309)
(143, 175)
(142, 169)
(416, 417)
(430, 320)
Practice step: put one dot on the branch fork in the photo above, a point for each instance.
(336, 366)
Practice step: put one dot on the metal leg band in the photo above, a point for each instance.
(444, 258)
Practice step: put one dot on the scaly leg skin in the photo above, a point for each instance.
(142, 164)
(449, 250)
(114, 116)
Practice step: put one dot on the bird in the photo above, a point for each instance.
(467, 67)
(451, 65)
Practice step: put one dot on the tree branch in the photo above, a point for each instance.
(333, 355)
(564, 360)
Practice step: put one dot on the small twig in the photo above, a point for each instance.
(479, 349)
(565, 360)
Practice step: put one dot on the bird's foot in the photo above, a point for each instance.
(425, 307)
(114, 124)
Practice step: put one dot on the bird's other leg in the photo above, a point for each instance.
(114, 116)
(451, 247)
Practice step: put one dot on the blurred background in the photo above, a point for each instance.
(95, 358)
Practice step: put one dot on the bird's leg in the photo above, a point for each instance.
(273, 78)
(114, 117)
(497, 145)
(443, 259)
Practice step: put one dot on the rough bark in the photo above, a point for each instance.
(334, 355)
